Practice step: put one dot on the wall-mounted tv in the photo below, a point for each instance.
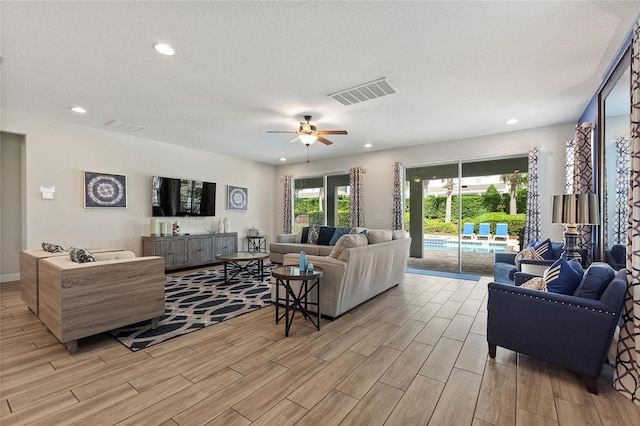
(182, 197)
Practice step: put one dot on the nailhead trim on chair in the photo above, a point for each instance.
(554, 301)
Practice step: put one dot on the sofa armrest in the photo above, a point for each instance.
(505, 258)
(286, 238)
(520, 278)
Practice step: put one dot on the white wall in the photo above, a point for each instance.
(378, 180)
(58, 154)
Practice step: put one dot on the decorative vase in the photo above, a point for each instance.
(176, 227)
(220, 226)
(303, 261)
(164, 229)
(227, 225)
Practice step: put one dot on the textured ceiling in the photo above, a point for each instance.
(461, 69)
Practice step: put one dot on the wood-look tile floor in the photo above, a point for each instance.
(416, 354)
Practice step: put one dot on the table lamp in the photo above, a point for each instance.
(571, 210)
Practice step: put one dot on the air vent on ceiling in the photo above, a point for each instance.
(364, 92)
(125, 127)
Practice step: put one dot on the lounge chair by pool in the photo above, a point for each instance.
(501, 231)
(484, 232)
(467, 231)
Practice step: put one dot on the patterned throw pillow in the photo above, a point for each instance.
(314, 233)
(528, 253)
(536, 283)
(52, 248)
(81, 255)
(562, 277)
(543, 248)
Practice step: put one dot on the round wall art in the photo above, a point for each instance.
(238, 198)
(104, 190)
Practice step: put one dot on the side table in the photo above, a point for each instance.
(257, 243)
(297, 300)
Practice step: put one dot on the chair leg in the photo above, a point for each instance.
(492, 350)
(591, 384)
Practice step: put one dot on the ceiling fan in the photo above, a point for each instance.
(308, 133)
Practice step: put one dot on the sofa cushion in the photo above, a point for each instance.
(376, 236)
(595, 280)
(298, 237)
(114, 255)
(398, 234)
(349, 241)
(52, 248)
(325, 234)
(561, 277)
(503, 272)
(339, 232)
(81, 255)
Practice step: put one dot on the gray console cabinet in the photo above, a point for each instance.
(184, 251)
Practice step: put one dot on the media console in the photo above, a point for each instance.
(184, 251)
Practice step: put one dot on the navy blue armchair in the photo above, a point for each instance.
(616, 256)
(504, 267)
(570, 331)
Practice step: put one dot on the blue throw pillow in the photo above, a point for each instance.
(562, 277)
(595, 280)
(305, 234)
(325, 234)
(339, 232)
(544, 249)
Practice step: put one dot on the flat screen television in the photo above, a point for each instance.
(182, 197)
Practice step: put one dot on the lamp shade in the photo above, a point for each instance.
(576, 209)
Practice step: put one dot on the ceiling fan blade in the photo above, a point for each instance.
(324, 141)
(293, 140)
(332, 132)
(277, 131)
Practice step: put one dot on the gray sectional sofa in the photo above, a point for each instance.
(361, 267)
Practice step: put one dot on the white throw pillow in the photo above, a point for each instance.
(376, 236)
(348, 241)
(299, 237)
(399, 234)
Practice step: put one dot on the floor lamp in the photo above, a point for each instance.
(571, 210)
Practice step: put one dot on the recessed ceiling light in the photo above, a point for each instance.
(79, 110)
(283, 159)
(367, 145)
(165, 49)
(512, 121)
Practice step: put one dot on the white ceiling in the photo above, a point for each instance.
(461, 69)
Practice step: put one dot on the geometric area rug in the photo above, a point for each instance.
(195, 301)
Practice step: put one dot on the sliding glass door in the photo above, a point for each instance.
(460, 214)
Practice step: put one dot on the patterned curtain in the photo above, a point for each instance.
(626, 378)
(532, 226)
(356, 175)
(621, 212)
(398, 202)
(568, 174)
(583, 178)
(287, 210)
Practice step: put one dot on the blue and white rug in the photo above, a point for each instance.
(195, 301)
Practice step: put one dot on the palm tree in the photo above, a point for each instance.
(448, 185)
(515, 181)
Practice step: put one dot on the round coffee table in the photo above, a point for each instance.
(296, 300)
(251, 259)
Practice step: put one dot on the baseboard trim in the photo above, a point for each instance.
(7, 278)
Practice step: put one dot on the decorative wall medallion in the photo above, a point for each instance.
(238, 198)
(104, 190)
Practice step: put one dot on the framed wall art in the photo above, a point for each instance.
(238, 198)
(104, 190)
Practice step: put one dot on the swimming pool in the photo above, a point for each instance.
(437, 243)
